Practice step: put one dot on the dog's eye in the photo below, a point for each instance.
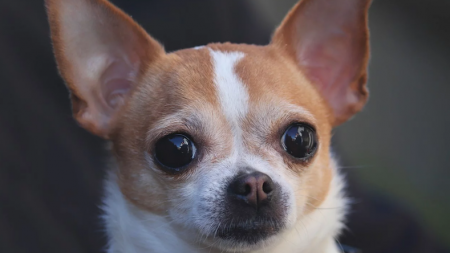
(174, 151)
(299, 141)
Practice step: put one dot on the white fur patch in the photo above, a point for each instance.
(233, 95)
(131, 230)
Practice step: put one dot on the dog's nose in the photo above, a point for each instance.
(253, 189)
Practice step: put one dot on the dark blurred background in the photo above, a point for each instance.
(394, 153)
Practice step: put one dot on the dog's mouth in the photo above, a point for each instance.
(250, 231)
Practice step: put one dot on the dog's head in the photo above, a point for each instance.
(229, 142)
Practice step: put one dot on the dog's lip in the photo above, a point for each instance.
(251, 231)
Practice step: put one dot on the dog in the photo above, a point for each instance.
(222, 147)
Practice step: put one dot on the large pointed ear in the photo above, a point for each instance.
(100, 53)
(329, 40)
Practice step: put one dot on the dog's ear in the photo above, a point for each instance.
(100, 53)
(329, 40)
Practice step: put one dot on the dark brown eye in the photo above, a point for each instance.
(174, 152)
(299, 141)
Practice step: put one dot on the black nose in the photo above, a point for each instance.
(253, 189)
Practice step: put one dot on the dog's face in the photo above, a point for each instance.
(208, 141)
(229, 142)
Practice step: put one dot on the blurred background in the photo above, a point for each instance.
(394, 153)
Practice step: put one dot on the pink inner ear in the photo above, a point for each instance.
(331, 58)
(117, 89)
(116, 82)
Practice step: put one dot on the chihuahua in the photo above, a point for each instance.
(223, 147)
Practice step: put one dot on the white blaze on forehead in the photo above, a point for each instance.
(233, 95)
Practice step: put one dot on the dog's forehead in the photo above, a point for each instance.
(225, 84)
(242, 77)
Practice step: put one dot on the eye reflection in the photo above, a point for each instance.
(175, 151)
(299, 140)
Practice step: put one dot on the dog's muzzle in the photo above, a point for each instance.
(253, 210)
